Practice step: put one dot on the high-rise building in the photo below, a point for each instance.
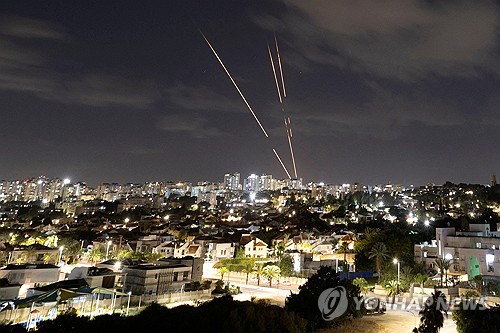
(232, 181)
(265, 183)
(251, 183)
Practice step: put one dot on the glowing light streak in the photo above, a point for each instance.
(236, 86)
(274, 73)
(279, 159)
(279, 64)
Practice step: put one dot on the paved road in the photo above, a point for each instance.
(394, 320)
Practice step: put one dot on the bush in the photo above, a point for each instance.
(305, 303)
(477, 320)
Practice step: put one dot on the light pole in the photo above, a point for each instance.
(107, 249)
(61, 248)
(128, 301)
(396, 262)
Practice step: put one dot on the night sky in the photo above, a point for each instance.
(399, 91)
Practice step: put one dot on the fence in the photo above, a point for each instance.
(98, 304)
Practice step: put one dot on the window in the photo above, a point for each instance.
(478, 245)
(425, 254)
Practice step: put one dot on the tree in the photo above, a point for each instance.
(478, 282)
(443, 266)
(446, 266)
(279, 249)
(48, 258)
(476, 318)
(380, 254)
(305, 302)
(407, 278)
(421, 279)
(431, 316)
(247, 269)
(96, 254)
(344, 248)
(392, 289)
(286, 265)
(271, 272)
(223, 270)
(258, 269)
(72, 248)
(362, 284)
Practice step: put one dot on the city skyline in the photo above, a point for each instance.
(122, 92)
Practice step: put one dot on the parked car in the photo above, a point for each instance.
(375, 305)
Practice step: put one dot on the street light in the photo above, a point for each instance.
(128, 301)
(61, 248)
(396, 262)
(107, 249)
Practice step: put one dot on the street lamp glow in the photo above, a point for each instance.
(107, 249)
(396, 261)
(127, 220)
(427, 223)
(66, 181)
(61, 248)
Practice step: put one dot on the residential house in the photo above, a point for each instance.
(30, 275)
(156, 279)
(253, 246)
(34, 253)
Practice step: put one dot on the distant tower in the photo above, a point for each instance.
(493, 180)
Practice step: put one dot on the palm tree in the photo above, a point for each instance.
(478, 282)
(223, 270)
(362, 284)
(432, 318)
(446, 266)
(443, 266)
(344, 248)
(47, 258)
(392, 289)
(370, 233)
(95, 254)
(271, 272)
(259, 270)
(279, 249)
(247, 269)
(420, 279)
(380, 253)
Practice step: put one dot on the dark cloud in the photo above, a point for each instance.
(23, 27)
(195, 126)
(404, 39)
(28, 69)
(201, 98)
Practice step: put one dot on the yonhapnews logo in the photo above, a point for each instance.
(333, 303)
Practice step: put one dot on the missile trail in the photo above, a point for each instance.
(279, 63)
(289, 136)
(274, 72)
(236, 86)
(286, 120)
(279, 159)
